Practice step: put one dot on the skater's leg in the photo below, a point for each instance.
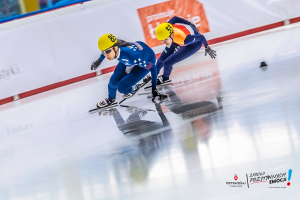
(118, 74)
(154, 75)
(131, 79)
(164, 55)
(181, 54)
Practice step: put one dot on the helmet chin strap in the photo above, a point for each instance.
(171, 38)
(115, 52)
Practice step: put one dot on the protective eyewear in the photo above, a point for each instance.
(107, 51)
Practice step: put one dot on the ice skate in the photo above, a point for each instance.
(105, 104)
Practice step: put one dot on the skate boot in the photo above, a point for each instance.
(106, 103)
(160, 82)
(146, 79)
(135, 89)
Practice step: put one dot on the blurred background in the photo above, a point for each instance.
(14, 9)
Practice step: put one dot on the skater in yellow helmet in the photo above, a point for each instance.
(182, 39)
(136, 55)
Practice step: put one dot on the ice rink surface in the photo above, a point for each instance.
(224, 119)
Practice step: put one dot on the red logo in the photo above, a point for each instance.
(151, 16)
(235, 177)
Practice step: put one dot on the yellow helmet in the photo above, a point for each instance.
(163, 31)
(106, 41)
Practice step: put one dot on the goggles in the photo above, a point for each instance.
(107, 51)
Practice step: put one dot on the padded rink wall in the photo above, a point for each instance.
(53, 49)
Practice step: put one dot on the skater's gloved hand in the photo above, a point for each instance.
(210, 52)
(96, 64)
(155, 93)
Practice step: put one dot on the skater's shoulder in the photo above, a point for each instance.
(129, 51)
(127, 55)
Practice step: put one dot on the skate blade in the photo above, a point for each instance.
(158, 86)
(104, 108)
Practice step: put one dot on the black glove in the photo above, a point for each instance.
(155, 93)
(210, 52)
(96, 64)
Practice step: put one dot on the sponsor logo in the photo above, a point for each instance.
(290, 175)
(236, 184)
(151, 16)
(10, 71)
(260, 177)
(235, 177)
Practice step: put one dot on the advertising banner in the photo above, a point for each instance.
(151, 16)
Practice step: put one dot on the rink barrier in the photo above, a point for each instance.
(295, 20)
(57, 85)
(247, 32)
(112, 68)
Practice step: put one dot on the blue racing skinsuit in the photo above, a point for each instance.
(187, 41)
(139, 55)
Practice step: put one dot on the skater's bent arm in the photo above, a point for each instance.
(195, 38)
(175, 20)
(102, 57)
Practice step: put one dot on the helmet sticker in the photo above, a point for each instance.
(112, 38)
(169, 28)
